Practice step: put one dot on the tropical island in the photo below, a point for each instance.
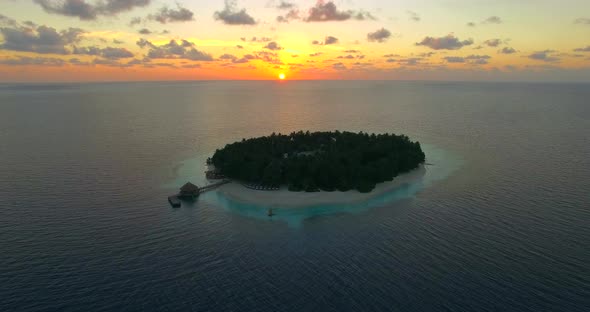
(319, 161)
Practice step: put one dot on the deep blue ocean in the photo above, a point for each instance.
(500, 222)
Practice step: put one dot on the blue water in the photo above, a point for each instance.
(500, 223)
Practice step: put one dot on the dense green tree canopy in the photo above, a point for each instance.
(320, 161)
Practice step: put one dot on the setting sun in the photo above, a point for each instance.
(282, 76)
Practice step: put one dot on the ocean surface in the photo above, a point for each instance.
(500, 222)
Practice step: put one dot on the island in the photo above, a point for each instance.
(317, 161)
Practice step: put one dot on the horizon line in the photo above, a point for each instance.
(292, 80)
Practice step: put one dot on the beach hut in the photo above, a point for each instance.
(189, 190)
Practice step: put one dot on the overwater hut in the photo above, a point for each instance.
(189, 190)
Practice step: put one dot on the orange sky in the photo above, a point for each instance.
(113, 40)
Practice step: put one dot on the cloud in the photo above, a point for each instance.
(236, 60)
(30, 24)
(86, 50)
(227, 57)
(134, 62)
(258, 39)
(266, 56)
(454, 59)
(327, 41)
(242, 60)
(7, 21)
(134, 21)
(427, 54)
(162, 64)
(273, 46)
(582, 20)
(41, 39)
(174, 50)
(414, 16)
(544, 56)
(78, 62)
(106, 62)
(115, 53)
(230, 15)
(117, 6)
(196, 55)
(413, 61)
(489, 20)
(493, 42)
(586, 49)
(478, 59)
(284, 5)
(507, 50)
(293, 14)
(448, 42)
(86, 11)
(166, 15)
(380, 35)
(492, 20)
(327, 12)
(24, 60)
(108, 52)
(76, 8)
(330, 40)
(142, 43)
(316, 54)
(339, 66)
(145, 31)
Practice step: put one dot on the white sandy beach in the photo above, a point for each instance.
(286, 199)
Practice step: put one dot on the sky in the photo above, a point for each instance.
(454, 40)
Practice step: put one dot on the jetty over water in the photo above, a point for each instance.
(190, 191)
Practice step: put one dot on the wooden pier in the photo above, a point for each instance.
(190, 191)
(174, 201)
(213, 186)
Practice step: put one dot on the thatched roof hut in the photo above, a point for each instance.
(189, 189)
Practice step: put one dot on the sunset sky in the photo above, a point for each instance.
(110, 40)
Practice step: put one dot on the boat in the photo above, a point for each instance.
(270, 213)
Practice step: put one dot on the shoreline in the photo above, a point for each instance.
(283, 198)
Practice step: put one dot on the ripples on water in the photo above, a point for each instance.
(84, 222)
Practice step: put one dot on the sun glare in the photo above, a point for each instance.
(282, 76)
